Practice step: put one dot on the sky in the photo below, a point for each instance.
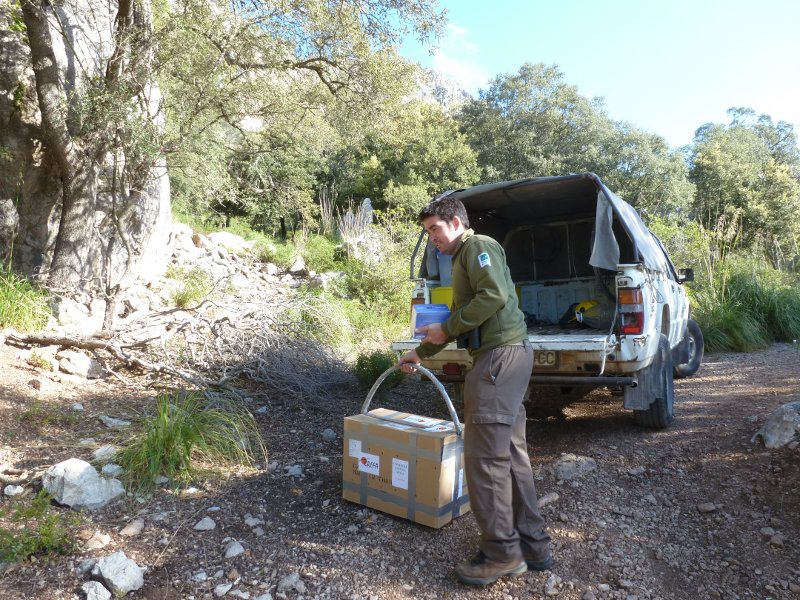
(667, 67)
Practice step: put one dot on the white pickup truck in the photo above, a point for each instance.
(604, 304)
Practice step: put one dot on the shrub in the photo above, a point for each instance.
(369, 367)
(35, 529)
(193, 285)
(22, 305)
(185, 430)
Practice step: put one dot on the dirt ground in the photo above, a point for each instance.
(630, 529)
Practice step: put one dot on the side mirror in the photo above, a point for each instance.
(685, 275)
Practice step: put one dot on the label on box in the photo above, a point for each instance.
(422, 421)
(460, 483)
(369, 463)
(400, 473)
(441, 427)
(354, 449)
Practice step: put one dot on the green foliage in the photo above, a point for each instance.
(38, 414)
(23, 306)
(194, 285)
(747, 306)
(185, 430)
(368, 367)
(747, 176)
(318, 252)
(35, 529)
(533, 123)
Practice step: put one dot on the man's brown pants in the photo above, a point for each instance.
(502, 493)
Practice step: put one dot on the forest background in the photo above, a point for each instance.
(275, 120)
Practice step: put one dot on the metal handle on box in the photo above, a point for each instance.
(429, 375)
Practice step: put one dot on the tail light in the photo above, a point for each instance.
(631, 310)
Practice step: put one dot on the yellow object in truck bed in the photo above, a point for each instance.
(442, 295)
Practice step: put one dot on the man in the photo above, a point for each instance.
(501, 487)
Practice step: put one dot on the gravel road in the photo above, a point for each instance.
(694, 511)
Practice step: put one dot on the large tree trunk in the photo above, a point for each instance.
(70, 266)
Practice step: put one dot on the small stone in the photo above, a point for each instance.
(603, 587)
(407, 587)
(133, 528)
(200, 577)
(13, 490)
(794, 588)
(77, 407)
(252, 521)
(95, 590)
(767, 532)
(113, 423)
(293, 471)
(222, 589)
(112, 470)
(777, 540)
(234, 549)
(706, 507)
(636, 471)
(589, 595)
(205, 524)
(97, 541)
(105, 454)
(547, 499)
(161, 480)
(650, 499)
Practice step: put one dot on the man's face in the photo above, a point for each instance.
(443, 235)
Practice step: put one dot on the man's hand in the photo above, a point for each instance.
(407, 361)
(433, 333)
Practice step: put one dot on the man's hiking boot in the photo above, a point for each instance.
(543, 564)
(482, 571)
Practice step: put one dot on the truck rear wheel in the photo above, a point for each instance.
(658, 376)
(693, 338)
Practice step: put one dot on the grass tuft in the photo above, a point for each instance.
(185, 430)
(22, 305)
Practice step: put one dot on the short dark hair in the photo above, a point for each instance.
(445, 208)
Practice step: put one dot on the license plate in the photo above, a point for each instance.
(545, 359)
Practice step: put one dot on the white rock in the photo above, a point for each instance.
(97, 541)
(105, 453)
(781, 426)
(222, 589)
(706, 507)
(205, 524)
(266, 596)
(113, 423)
(119, 573)
(252, 521)
(329, 435)
(551, 585)
(76, 484)
(547, 499)
(232, 242)
(293, 470)
(570, 466)
(13, 490)
(291, 582)
(95, 590)
(200, 577)
(133, 528)
(77, 407)
(233, 549)
(112, 470)
(78, 363)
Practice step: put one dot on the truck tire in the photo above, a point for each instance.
(658, 376)
(693, 338)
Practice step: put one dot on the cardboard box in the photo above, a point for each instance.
(405, 465)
